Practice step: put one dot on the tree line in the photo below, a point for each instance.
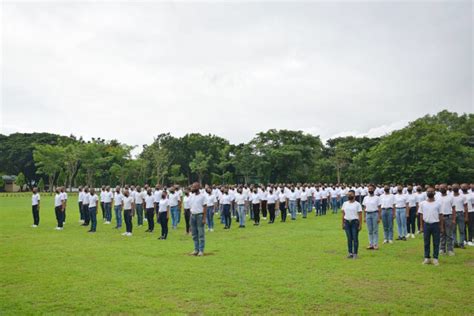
(432, 149)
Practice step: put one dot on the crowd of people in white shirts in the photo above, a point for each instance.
(412, 207)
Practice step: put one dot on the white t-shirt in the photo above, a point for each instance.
(446, 204)
(64, 195)
(86, 196)
(197, 203)
(282, 197)
(118, 197)
(239, 198)
(139, 197)
(430, 211)
(157, 194)
(459, 202)
(149, 201)
(292, 196)
(304, 195)
(371, 203)
(211, 199)
(411, 199)
(351, 210)
(163, 205)
(80, 198)
(58, 199)
(35, 198)
(255, 197)
(173, 199)
(226, 199)
(400, 200)
(108, 196)
(93, 200)
(186, 202)
(387, 200)
(127, 202)
(271, 198)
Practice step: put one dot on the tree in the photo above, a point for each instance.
(176, 177)
(48, 160)
(200, 165)
(2, 183)
(20, 180)
(71, 162)
(41, 185)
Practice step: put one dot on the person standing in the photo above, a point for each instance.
(256, 204)
(80, 198)
(59, 209)
(317, 201)
(240, 201)
(85, 206)
(35, 207)
(420, 197)
(93, 201)
(174, 204)
(211, 204)
(164, 214)
(431, 223)
(292, 199)
(226, 203)
(102, 203)
(372, 215)
(460, 204)
(139, 199)
(150, 210)
(324, 200)
(272, 197)
(187, 210)
(198, 219)
(108, 196)
(401, 205)
(449, 220)
(118, 207)
(304, 201)
(387, 202)
(64, 198)
(412, 211)
(351, 223)
(283, 204)
(128, 209)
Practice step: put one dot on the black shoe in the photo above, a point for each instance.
(84, 224)
(90, 230)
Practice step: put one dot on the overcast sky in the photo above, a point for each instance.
(130, 71)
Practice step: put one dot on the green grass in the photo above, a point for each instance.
(286, 268)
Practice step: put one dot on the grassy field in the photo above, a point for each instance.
(286, 268)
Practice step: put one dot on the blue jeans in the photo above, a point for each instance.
(352, 233)
(210, 217)
(334, 205)
(292, 207)
(373, 227)
(174, 215)
(387, 221)
(139, 209)
(241, 212)
(401, 221)
(317, 206)
(461, 226)
(118, 215)
(197, 230)
(310, 205)
(227, 215)
(304, 208)
(93, 217)
(108, 211)
(428, 231)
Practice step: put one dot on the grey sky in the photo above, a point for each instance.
(130, 71)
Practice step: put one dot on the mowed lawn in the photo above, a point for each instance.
(298, 267)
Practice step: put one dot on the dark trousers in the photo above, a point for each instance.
(102, 207)
(283, 211)
(317, 206)
(93, 217)
(470, 226)
(80, 211)
(298, 205)
(256, 213)
(271, 210)
(36, 215)
(150, 217)
(162, 218)
(64, 215)
(227, 218)
(264, 208)
(352, 233)
(59, 215)
(411, 220)
(85, 212)
(127, 216)
(324, 205)
(418, 221)
(187, 217)
(431, 230)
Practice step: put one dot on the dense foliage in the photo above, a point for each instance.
(437, 148)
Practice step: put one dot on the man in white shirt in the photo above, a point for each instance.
(198, 219)
(85, 206)
(107, 199)
(102, 203)
(174, 204)
(324, 200)
(420, 197)
(372, 212)
(460, 204)
(387, 203)
(80, 198)
(35, 207)
(412, 209)
(118, 203)
(449, 216)
(59, 209)
(469, 195)
(351, 223)
(431, 217)
(64, 198)
(401, 205)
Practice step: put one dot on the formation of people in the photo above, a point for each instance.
(443, 213)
